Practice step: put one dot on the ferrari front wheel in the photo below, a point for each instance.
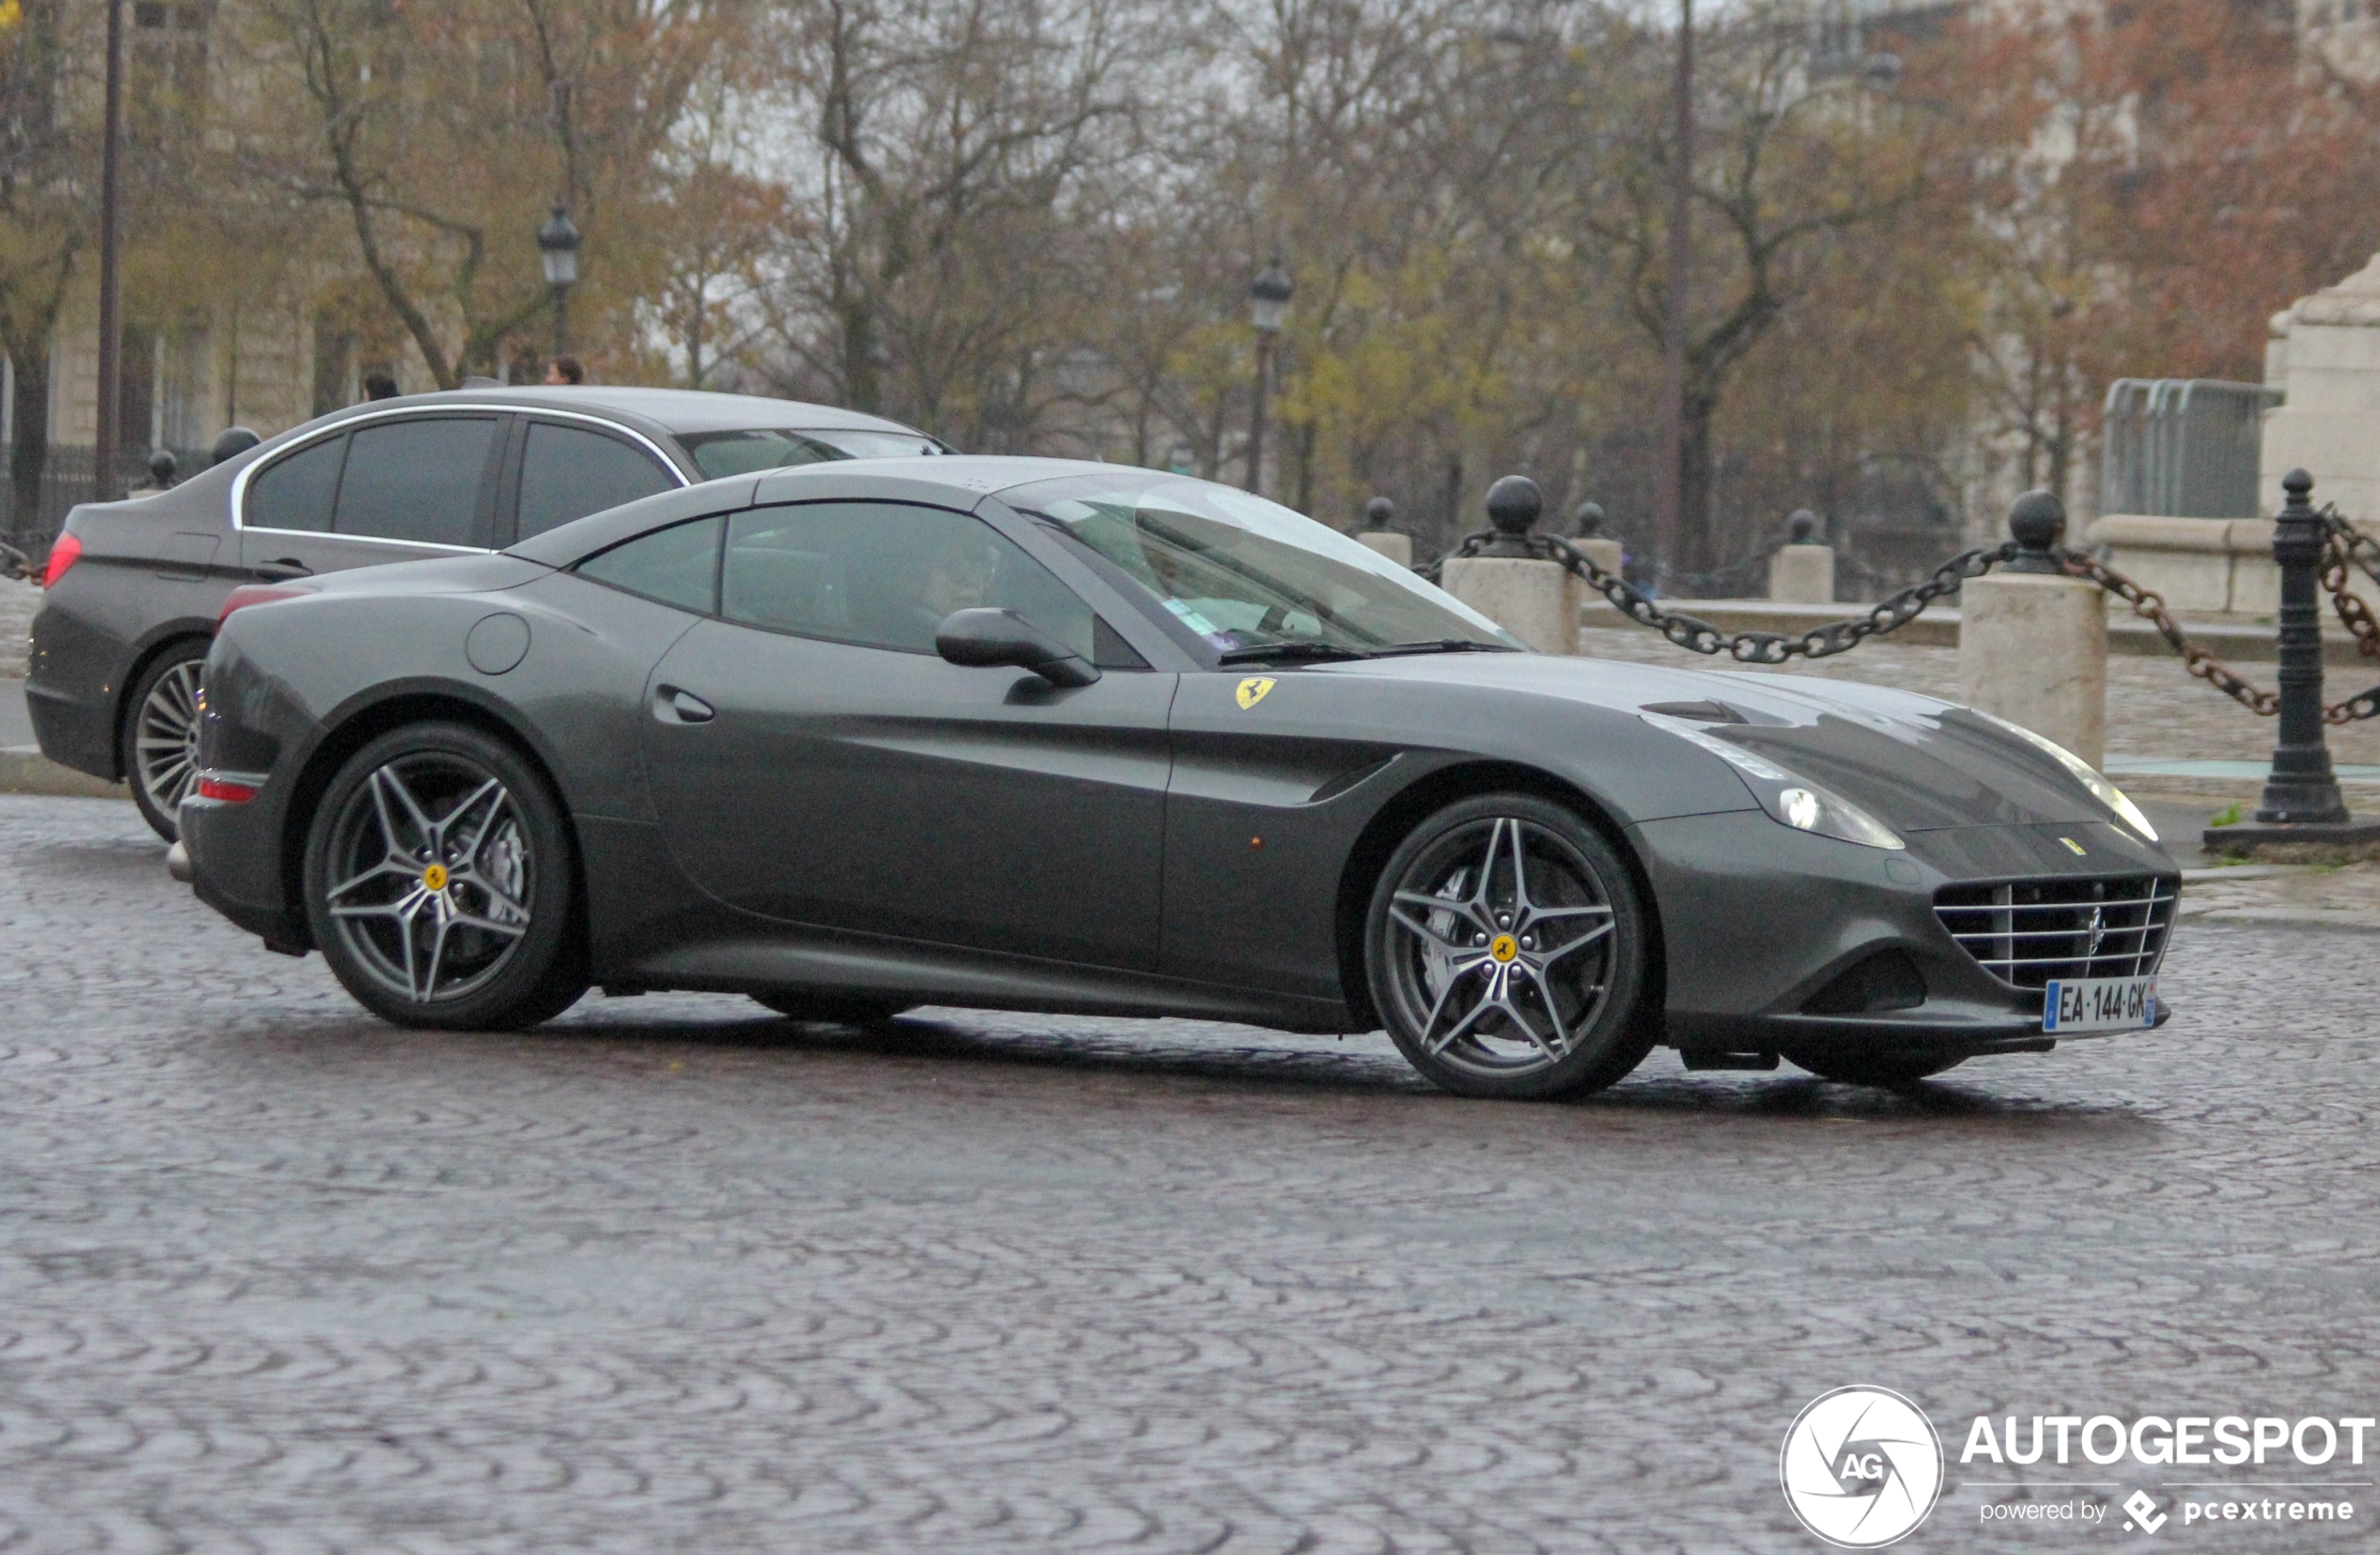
(1506, 951)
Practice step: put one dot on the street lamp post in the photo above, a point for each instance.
(557, 244)
(109, 433)
(1269, 308)
(1669, 475)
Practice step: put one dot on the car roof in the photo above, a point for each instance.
(958, 480)
(672, 410)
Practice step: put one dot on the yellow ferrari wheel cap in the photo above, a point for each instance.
(434, 877)
(1504, 947)
(1252, 690)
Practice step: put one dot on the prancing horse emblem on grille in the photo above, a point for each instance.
(2098, 931)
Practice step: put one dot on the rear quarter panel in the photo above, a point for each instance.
(152, 572)
(295, 685)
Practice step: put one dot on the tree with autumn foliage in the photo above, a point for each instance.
(2148, 184)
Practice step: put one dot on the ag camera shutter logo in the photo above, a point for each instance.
(1862, 1467)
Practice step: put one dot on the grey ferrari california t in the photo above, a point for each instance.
(1047, 735)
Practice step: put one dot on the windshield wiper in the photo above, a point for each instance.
(1313, 652)
(1443, 644)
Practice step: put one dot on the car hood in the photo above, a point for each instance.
(1918, 764)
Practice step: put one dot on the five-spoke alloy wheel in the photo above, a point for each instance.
(1506, 951)
(161, 735)
(439, 882)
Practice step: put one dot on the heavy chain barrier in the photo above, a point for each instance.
(1696, 635)
(2347, 546)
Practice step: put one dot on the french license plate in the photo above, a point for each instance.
(2100, 1004)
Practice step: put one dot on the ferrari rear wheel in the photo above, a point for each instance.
(1506, 950)
(438, 880)
(161, 736)
(1852, 1067)
(843, 1012)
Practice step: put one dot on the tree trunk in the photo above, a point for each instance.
(28, 435)
(1698, 526)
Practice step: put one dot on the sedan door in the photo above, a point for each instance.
(816, 761)
(394, 489)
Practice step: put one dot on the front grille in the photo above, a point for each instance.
(2029, 932)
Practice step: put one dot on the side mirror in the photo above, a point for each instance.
(992, 638)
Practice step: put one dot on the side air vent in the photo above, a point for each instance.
(1696, 712)
(1888, 980)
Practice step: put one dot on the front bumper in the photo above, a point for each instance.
(1757, 919)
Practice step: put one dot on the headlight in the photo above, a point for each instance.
(2084, 773)
(1791, 801)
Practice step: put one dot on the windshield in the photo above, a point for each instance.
(718, 454)
(1248, 574)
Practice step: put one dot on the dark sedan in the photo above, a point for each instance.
(135, 587)
(1058, 736)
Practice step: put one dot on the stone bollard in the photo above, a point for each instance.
(1537, 602)
(2032, 641)
(1379, 514)
(1803, 572)
(1604, 550)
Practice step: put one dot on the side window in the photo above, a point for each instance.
(568, 472)
(677, 565)
(417, 480)
(884, 575)
(295, 493)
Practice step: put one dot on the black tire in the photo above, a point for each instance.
(441, 884)
(842, 1011)
(160, 739)
(1855, 1067)
(1469, 991)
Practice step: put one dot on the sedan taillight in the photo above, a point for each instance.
(212, 787)
(257, 594)
(64, 553)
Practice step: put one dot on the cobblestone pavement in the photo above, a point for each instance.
(672, 1275)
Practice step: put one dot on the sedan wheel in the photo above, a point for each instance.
(162, 737)
(439, 884)
(1506, 951)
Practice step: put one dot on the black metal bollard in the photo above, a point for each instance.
(2301, 815)
(1513, 504)
(2303, 789)
(2036, 522)
(1802, 527)
(1380, 514)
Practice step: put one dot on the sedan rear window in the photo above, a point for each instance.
(296, 493)
(722, 454)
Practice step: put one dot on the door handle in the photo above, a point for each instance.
(282, 568)
(673, 705)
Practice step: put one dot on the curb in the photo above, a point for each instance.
(24, 770)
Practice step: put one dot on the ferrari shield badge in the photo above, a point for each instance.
(1252, 690)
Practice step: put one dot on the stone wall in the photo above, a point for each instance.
(2323, 355)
